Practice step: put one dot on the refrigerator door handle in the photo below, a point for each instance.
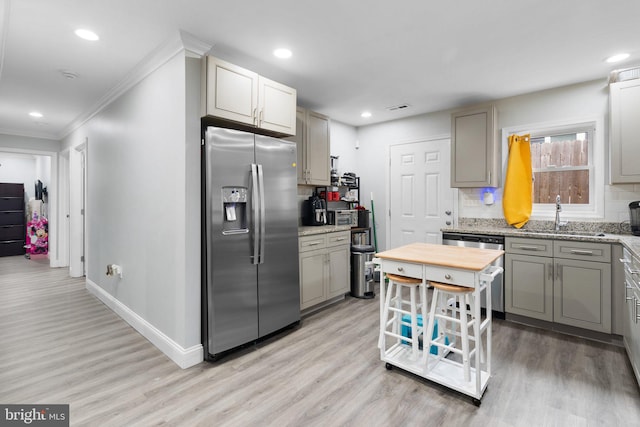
(263, 220)
(255, 202)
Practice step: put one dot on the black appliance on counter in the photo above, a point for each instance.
(634, 217)
(314, 211)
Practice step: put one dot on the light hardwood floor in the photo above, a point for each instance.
(58, 344)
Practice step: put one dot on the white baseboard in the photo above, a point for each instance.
(183, 357)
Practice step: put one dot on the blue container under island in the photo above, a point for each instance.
(406, 332)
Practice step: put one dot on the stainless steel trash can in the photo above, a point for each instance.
(362, 271)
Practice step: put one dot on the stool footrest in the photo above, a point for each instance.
(402, 337)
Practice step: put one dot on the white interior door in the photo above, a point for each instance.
(77, 202)
(421, 198)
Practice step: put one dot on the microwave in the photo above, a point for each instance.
(343, 217)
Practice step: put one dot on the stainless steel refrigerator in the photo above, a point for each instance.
(250, 238)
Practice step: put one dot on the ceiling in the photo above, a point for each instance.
(348, 56)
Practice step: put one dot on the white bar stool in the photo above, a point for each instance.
(449, 307)
(397, 307)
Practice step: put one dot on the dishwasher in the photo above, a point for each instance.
(482, 241)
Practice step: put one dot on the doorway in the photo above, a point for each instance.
(52, 190)
(421, 198)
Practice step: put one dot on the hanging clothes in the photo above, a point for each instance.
(518, 184)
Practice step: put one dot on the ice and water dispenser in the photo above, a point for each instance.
(234, 204)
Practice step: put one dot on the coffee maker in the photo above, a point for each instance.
(314, 211)
(634, 217)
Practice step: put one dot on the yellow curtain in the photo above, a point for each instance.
(518, 184)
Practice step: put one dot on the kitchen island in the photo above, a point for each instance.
(469, 267)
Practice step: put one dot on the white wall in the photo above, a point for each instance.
(588, 99)
(143, 209)
(343, 144)
(19, 169)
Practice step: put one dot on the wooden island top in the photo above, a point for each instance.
(443, 255)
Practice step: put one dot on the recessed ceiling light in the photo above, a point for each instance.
(617, 58)
(282, 53)
(87, 34)
(36, 114)
(365, 115)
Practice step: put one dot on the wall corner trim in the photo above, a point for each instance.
(183, 357)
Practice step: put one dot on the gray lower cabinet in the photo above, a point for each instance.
(528, 277)
(559, 281)
(631, 321)
(529, 286)
(582, 285)
(324, 263)
(582, 294)
(313, 276)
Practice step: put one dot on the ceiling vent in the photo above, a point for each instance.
(625, 74)
(69, 75)
(397, 107)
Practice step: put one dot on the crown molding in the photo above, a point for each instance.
(16, 132)
(182, 41)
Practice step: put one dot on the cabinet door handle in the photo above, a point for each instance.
(400, 269)
(315, 242)
(340, 239)
(558, 271)
(447, 276)
(627, 287)
(630, 271)
(255, 116)
(550, 271)
(528, 248)
(447, 212)
(581, 252)
(637, 303)
(448, 222)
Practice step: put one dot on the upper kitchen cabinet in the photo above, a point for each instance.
(242, 96)
(313, 141)
(475, 153)
(624, 100)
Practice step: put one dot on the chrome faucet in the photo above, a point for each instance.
(558, 224)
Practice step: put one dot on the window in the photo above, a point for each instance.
(561, 166)
(567, 158)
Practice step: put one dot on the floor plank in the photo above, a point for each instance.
(59, 344)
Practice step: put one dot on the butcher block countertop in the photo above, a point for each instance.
(442, 255)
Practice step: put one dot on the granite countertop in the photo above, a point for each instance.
(321, 229)
(585, 232)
